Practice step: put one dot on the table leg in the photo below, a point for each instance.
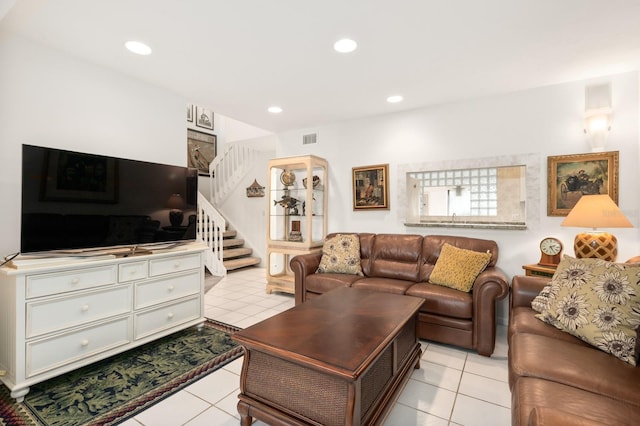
(243, 410)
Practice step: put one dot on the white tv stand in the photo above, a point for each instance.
(57, 317)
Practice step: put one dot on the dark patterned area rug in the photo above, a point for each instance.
(113, 390)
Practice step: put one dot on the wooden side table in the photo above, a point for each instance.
(539, 270)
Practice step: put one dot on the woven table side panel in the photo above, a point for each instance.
(406, 340)
(312, 394)
(375, 379)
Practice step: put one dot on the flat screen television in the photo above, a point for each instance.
(74, 200)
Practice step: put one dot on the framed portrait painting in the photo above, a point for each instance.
(569, 177)
(370, 187)
(204, 118)
(201, 150)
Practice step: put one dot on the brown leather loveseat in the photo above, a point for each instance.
(402, 264)
(556, 378)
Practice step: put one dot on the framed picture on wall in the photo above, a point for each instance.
(204, 118)
(201, 150)
(569, 177)
(190, 113)
(370, 187)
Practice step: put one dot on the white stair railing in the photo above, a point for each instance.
(227, 169)
(210, 227)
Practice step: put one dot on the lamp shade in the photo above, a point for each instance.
(175, 201)
(596, 211)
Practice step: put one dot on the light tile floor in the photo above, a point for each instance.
(452, 387)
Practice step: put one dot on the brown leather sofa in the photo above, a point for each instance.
(556, 378)
(402, 264)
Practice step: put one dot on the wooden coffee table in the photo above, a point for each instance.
(339, 359)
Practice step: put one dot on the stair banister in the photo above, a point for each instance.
(227, 169)
(210, 226)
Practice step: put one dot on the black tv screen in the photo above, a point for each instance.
(75, 200)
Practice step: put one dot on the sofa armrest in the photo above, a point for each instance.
(303, 265)
(490, 286)
(525, 288)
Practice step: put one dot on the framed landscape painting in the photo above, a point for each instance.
(370, 187)
(570, 177)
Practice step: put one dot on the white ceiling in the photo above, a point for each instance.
(240, 56)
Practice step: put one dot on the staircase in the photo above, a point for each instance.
(234, 254)
(227, 252)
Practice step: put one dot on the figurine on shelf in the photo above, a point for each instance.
(316, 181)
(289, 203)
(295, 234)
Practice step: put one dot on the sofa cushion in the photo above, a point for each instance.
(599, 302)
(458, 268)
(396, 256)
(385, 285)
(321, 283)
(530, 393)
(443, 301)
(582, 367)
(341, 254)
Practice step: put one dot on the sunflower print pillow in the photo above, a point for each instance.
(341, 255)
(598, 302)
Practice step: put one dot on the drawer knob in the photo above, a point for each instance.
(176, 265)
(170, 288)
(170, 316)
(85, 343)
(85, 308)
(75, 281)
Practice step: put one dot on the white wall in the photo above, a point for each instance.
(540, 122)
(51, 99)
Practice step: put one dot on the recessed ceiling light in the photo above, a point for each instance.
(394, 99)
(346, 45)
(138, 47)
(274, 109)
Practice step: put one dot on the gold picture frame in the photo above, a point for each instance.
(370, 187)
(569, 177)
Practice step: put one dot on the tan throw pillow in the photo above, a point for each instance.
(341, 255)
(564, 270)
(598, 302)
(458, 268)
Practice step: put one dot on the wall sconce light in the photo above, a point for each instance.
(596, 211)
(597, 115)
(176, 204)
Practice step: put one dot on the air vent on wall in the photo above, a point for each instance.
(309, 139)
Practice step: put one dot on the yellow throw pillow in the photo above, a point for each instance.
(458, 268)
(341, 255)
(598, 302)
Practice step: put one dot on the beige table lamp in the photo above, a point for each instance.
(596, 211)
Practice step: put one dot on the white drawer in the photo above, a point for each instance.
(166, 289)
(44, 316)
(132, 271)
(56, 283)
(174, 264)
(167, 316)
(54, 352)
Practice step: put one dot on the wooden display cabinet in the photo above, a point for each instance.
(297, 215)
